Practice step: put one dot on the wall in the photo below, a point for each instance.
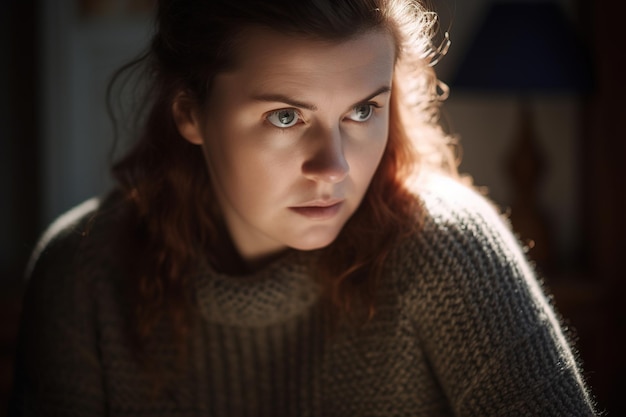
(487, 127)
(80, 53)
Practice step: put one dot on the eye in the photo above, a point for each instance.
(283, 118)
(361, 112)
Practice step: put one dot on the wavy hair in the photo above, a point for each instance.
(165, 180)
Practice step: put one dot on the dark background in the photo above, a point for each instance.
(588, 282)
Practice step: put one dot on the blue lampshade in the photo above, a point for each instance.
(525, 47)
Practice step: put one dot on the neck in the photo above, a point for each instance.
(226, 258)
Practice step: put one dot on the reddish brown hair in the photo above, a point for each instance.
(165, 179)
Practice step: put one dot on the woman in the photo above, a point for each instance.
(289, 236)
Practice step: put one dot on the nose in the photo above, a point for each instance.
(326, 162)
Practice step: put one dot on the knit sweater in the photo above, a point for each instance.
(463, 328)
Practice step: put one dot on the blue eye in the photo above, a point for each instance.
(361, 112)
(283, 118)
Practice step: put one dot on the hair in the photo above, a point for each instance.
(165, 180)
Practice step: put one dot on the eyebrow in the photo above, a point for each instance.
(281, 98)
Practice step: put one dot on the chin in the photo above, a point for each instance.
(315, 242)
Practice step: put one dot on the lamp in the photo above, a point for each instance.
(525, 48)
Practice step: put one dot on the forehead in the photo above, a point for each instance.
(265, 56)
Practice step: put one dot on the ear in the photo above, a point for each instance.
(186, 117)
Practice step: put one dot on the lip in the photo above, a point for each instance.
(319, 209)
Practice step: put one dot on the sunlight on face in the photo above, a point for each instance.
(293, 135)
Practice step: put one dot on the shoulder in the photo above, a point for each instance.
(466, 286)
(72, 276)
(454, 206)
(63, 234)
(68, 298)
(465, 259)
(454, 212)
(463, 239)
(74, 237)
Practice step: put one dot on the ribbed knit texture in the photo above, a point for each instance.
(462, 329)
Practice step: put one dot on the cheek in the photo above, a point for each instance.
(369, 153)
(224, 147)
(364, 160)
(249, 176)
(224, 160)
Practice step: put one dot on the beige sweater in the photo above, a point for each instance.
(463, 329)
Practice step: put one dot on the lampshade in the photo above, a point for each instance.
(525, 47)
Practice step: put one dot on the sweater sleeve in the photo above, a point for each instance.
(493, 339)
(57, 368)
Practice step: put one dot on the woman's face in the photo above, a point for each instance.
(293, 135)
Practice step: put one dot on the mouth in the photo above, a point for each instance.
(319, 209)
